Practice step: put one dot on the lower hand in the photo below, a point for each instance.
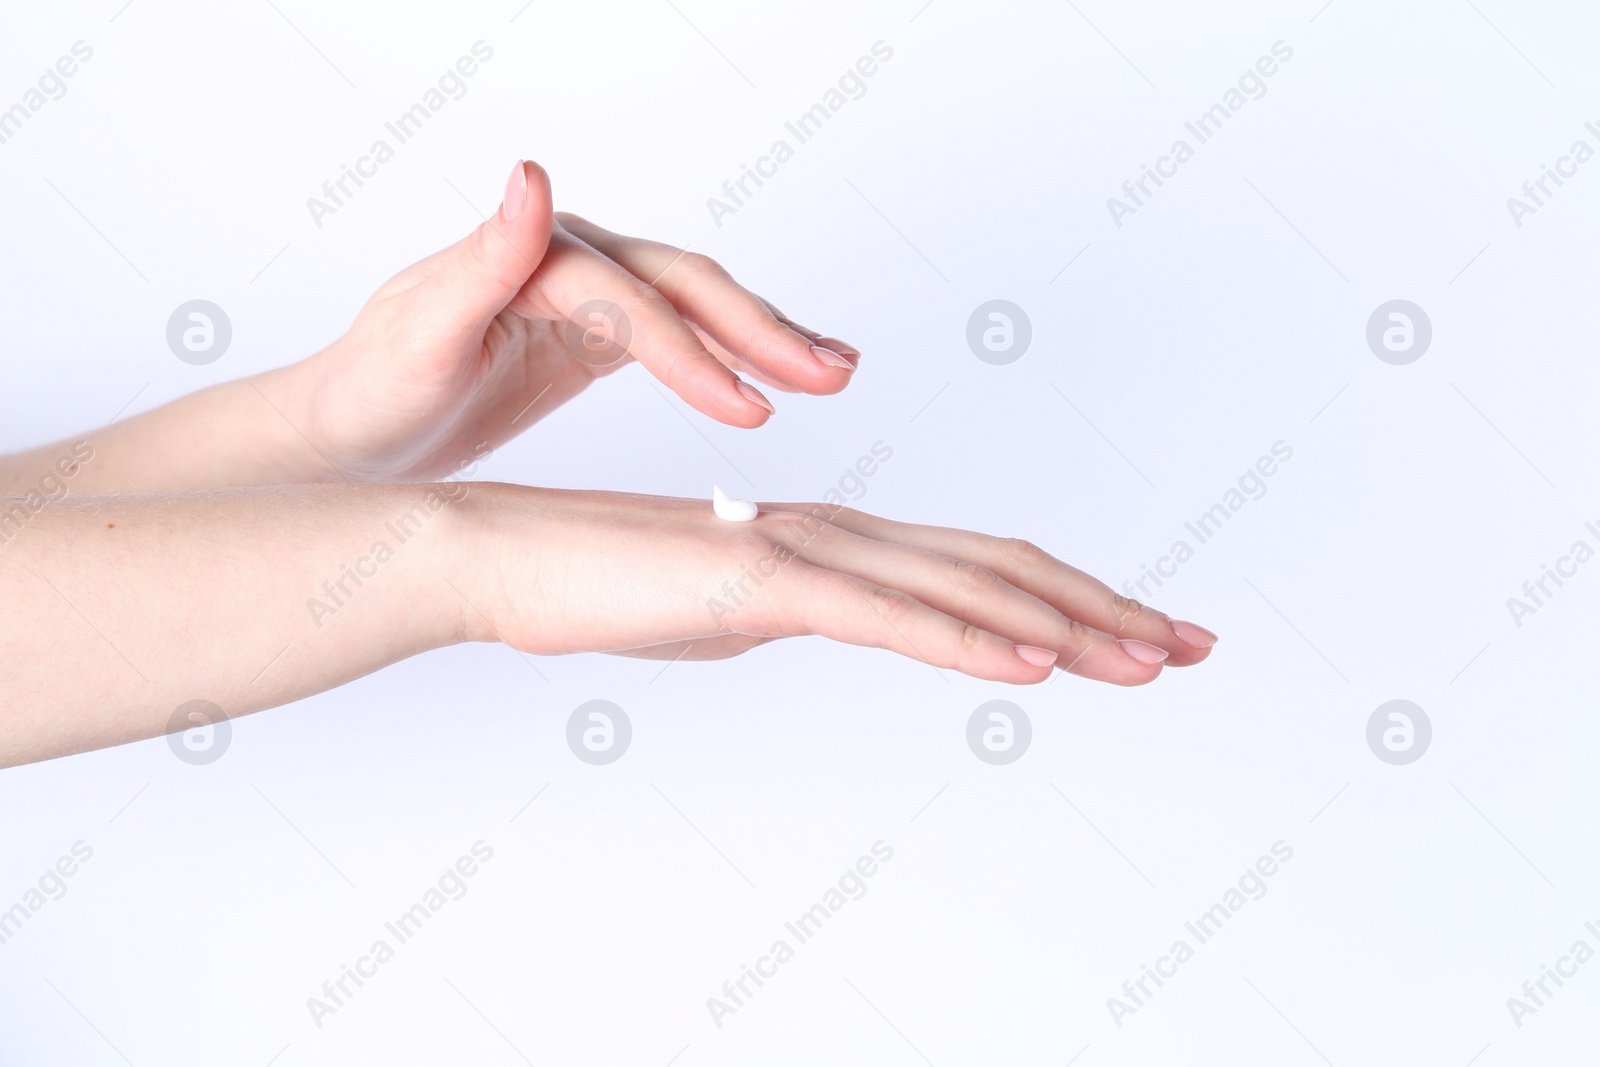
(569, 571)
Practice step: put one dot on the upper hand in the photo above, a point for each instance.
(472, 345)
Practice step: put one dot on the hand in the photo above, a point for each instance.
(474, 344)
(581, 571)
(336, 581)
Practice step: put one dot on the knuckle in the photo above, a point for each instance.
(1125, 608)
(974, 585)
(671, 369)
(892, 604)
(479, 256)
(752, 546)
(973, 578)
(797, 528)
(972, 639)
(700, 266)
(1079, 635)
(1022, 552)
(644, 296)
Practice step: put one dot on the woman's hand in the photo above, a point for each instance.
(461, 352)
(288, 591)
(563, 571)
(474, 344)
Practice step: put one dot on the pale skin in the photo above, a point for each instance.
(175, 555)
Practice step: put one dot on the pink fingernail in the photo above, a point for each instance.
(831, 358)
(836, 345)
(753, 395)
(1144, 653)
(1192, 635)
(1038, 657)
(516, 192)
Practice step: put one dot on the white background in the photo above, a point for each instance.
(1228, 314)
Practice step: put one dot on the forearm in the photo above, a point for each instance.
(240, 433)
(119, 609)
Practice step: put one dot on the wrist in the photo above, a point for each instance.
(286, 410)
(426, 536)
(496, 560)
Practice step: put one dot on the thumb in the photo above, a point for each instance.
(488, 267)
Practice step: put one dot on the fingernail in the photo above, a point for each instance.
(753, 395)
(1143, 652)
(1039, 657)
(831, 358)
(516, 192)
(1192, 635)
(836, 345)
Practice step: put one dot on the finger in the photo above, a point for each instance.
(574, 275)
(847, 608)
(979, 596)
(742, 322)
(738, 364)
(1069, 590)
(833, 344)
(478, 276)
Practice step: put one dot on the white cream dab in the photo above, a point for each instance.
(731, 509)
